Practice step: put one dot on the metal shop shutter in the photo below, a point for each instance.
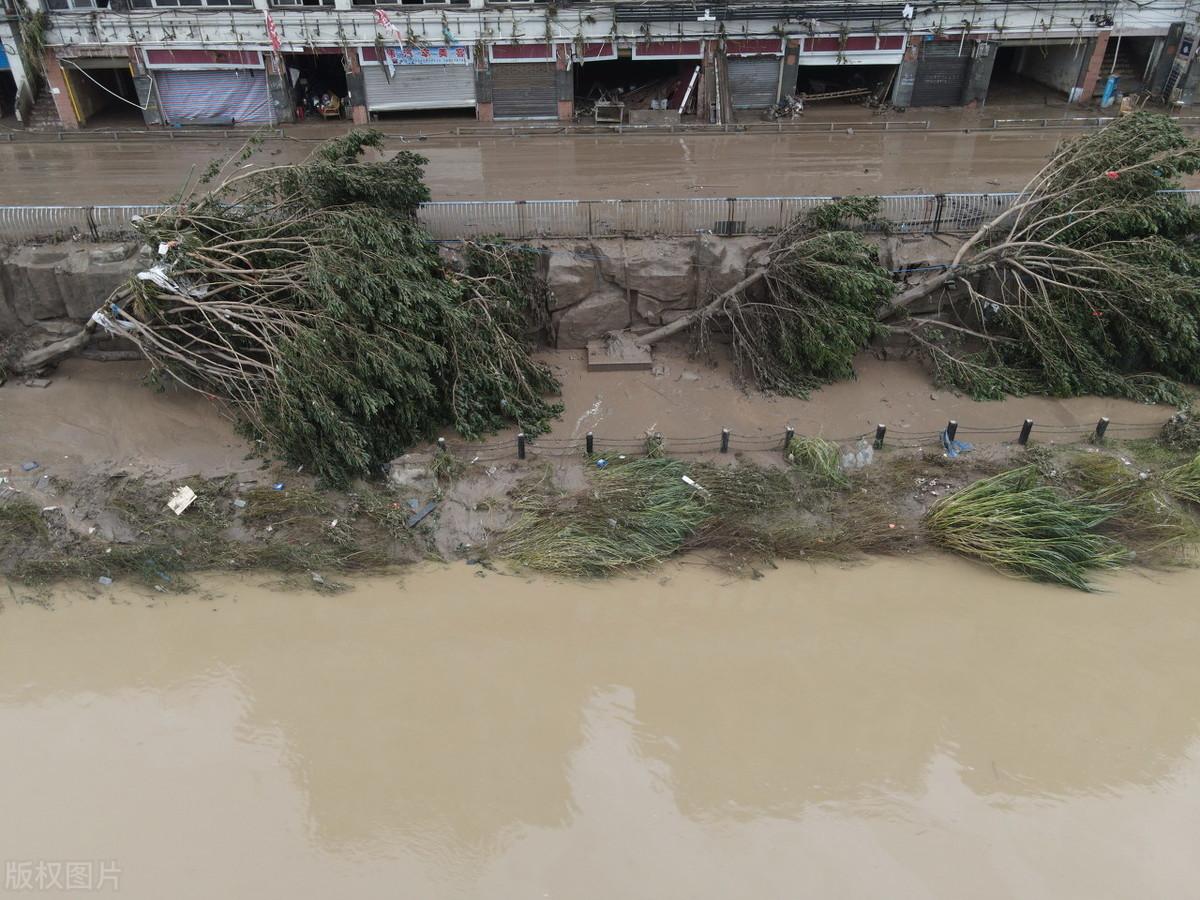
(524, 91)
(753, 81)
(216, 97)
(941, 74)
(418, 87)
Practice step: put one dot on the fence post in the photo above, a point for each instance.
(441, 442)
(951, 429)
(724, 440)
(789, 435)
(1101, 427)
(880, 431)
(521, 219)
(521, 445)
(1026, 429)
(591, 443)
(939, 205)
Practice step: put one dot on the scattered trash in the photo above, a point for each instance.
(953, 448)
(239, 503)
(104, 580)
(299, 470)
(38, 383)
(420, 514)
(316, 577)
(29, 466)
(414, 504)
(43, 484)
(333, 524)
(601, 463)
(690, 483)
(278, 485)
(181, 500)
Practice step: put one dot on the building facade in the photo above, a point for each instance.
(263, 62)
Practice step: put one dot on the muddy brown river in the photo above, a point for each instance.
(908, 728)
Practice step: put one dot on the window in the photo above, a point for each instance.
(411, 2)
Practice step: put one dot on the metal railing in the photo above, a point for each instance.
(532, 219)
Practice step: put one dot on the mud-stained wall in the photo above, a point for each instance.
(61, 281)
(598, 286)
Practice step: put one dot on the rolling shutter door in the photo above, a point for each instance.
(941, 75)
(524, 91)
(419, 87)
(753, 81)
(237, 96)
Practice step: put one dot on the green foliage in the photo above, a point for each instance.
(856, 213)
(823, 290)
(639, 513)
(817, 458)
(1183, 482)
(1019, 526)
(310, 298)
(1092, 284)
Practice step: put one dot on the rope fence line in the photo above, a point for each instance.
(593, 445)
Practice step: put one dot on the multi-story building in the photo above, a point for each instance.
(179, 62)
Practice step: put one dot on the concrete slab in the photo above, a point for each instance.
(618, 356)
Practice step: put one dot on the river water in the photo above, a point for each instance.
(908, 728)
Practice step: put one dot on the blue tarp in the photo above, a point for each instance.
(3, 59)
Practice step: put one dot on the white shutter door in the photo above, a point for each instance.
(753, 81)
(419, 87)
(222, 97)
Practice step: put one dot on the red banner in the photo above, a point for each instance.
(272, 33)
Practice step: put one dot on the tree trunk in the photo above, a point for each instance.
(698, 314)
(34, 360)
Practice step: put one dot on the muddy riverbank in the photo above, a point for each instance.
(901, 729)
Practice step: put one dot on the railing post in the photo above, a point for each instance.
(591, 443)
(1101, 427)
(880, 432)
(521, 445)
(939, 205)
(1026, 430)
(951, 429)
(724, 440)
(789, 435)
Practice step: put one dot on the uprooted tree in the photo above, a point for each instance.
(1087, 283)
(309, 299)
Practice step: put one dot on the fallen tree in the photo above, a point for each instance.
(309, 299)
(1086, 284)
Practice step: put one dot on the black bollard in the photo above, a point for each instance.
(1025, 431)
(521, 445)
(724, 440)
(591, 443)
(951, 429)
(1101, 427)
(880, 431)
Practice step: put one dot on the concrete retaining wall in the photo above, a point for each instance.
(599, 286)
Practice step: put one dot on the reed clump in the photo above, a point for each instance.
(817, 458)
(1183, 482)
(1020, 526)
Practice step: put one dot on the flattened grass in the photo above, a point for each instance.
(1018, 525)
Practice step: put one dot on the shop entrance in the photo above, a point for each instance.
(870, 83)
(637, 83)
(101, 91)
(319, 87)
